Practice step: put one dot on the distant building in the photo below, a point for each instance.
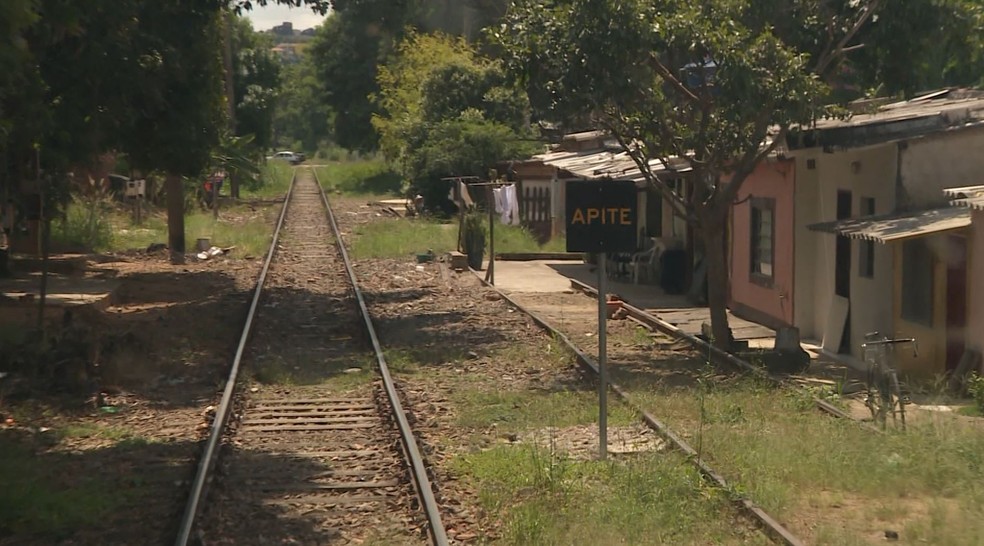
(285, 29)
(308, 32)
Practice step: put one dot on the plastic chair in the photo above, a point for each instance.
(646, 260)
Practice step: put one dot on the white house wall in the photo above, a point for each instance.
(942, 160)
(805, 248)
(867, 172)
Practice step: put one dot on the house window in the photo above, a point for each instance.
(866, 260)
(763, 234)
(917, 280)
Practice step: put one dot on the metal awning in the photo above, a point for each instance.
(967, 196)
(899, 226)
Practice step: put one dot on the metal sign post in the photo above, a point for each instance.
(602, 218)
(602, 358)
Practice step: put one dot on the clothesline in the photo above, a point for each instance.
(505, 198)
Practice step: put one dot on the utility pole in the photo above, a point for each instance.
(230, 94)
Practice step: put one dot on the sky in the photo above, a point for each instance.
(274, 14)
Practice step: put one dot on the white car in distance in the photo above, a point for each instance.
(290, 157)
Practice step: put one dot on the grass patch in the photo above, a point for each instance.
(93, 430)
(970, 411)
(236, 226)
(251, 237)
(785, 454)
(275, 177)
(359, 177)
(542, 497)
(33, 504)
(396, 238)
(128, 236)
(519, 239)
(526, 410)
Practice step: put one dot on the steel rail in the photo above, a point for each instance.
(775, 529)
(207, 460)
(418, 469)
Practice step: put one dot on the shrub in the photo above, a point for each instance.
(85, 224)
(975, 386)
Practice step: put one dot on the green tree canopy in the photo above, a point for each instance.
(257, 83)
(447, 111)
(918, 45)
(346, 51)
(704, 82)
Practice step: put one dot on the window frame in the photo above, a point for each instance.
(755, 236)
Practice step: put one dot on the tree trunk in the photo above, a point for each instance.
(45, 226)
(715, 256)
(175, 218)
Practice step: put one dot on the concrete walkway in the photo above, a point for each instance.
(554, 276)
(546, 276)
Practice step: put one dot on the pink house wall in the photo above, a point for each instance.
(772, 305)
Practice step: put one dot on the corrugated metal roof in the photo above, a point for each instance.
(941, 111)
(600, 164)
(899, 226)
(955, 111)
(967, 196)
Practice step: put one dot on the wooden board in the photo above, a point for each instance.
(834, 330)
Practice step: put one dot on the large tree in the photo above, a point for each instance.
(716, 84)
(447, 111)
(346, 51)
(919, 45)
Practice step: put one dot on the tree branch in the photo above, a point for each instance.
(831, 51)
(665, 73)
(676, 201)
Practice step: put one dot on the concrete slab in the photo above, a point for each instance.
(555, 276)
(530, 276)
(62, 290)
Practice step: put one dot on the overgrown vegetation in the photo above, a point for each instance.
(795, 461)
(85, 224)
(544, 497)
(94, 222)
(370, 176)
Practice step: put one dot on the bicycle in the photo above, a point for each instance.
(884, 391)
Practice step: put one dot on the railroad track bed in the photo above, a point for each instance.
(493, 399)
(312, 455)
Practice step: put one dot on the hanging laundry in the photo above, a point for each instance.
(465, 195)
(501, 205)
(512, 197)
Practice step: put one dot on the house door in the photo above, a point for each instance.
(842, 266)
(956, 300)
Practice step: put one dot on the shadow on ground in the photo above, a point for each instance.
(132, 492)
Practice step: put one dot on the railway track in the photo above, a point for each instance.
(771, 527)
(301, 457)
